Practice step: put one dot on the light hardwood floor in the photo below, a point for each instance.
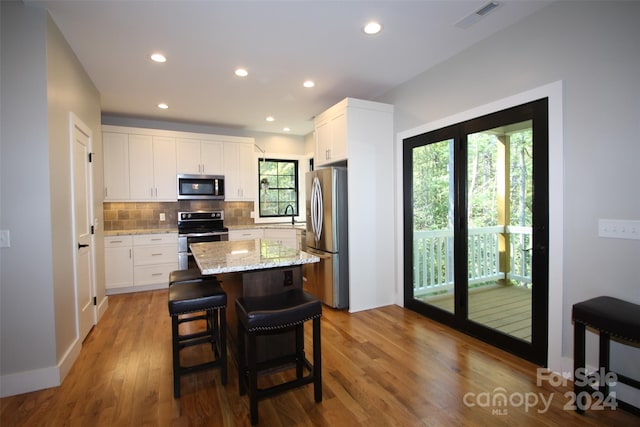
(382, 367)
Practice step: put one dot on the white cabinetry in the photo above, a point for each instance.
(240, 172)
(140, 262)
(152, 171)
(118, 262)
(194, 156)
(141, 164)
(286, 237)
(139, 167)
(246, 234)
(154, 257)
(116, 165)
(331, 136)
(367, 142)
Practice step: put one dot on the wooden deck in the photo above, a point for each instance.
(504, 308)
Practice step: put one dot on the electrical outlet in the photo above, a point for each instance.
(163, 217)
(619, 229)
(5, 240)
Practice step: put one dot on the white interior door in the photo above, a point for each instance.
(82, 214)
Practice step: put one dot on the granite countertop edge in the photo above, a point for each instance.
(276, 226)
(260, 266)
(138, 231)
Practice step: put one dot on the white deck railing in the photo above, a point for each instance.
(433, 258)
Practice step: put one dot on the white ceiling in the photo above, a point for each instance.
(281, 43)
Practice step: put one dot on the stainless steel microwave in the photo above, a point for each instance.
(200, 187)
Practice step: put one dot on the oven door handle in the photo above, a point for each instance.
(215, 233)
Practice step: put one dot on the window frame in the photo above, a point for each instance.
(296, 177)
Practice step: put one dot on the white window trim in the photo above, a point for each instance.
(303, 168)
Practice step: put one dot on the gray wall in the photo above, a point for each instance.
(41, 81)
(593, 47)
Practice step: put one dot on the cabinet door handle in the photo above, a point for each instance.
(115, 241)
(156, 254)
(157, 274)
(80, 246)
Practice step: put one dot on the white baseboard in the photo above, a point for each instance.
(69, 358)
(102, 308)
(39, 379)
(24, 382)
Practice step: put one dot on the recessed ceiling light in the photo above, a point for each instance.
(308, 83)
(241, 72)
(158, 57)
(163, 106)
(372, 28)
(270, 119)
(286, 129)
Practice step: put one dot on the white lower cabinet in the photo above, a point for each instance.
(118, 262)
(246, 234)
(151, 257)
(286, 237)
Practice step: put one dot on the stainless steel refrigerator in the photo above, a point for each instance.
(327, 236)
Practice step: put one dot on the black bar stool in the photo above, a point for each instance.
(186, 276)
(191, 275)
(611, 317)
(190, 297)
(275, 314)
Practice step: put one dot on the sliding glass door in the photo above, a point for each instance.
(476, 231)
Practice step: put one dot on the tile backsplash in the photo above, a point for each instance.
(146, 215)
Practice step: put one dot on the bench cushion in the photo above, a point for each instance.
(614, 316)
(277, 311)
(196, 296)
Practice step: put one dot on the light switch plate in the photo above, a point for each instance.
(619, 229)
(5, 240)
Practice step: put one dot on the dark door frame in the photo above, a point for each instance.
(536, 351)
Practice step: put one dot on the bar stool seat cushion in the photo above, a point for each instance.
(617, 317)
(196, 296)
(277, 311)
(183, 276)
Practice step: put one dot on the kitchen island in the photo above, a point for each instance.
(247, 255)
(253, 268)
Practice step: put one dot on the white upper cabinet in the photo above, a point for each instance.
(331, 136)
(141, 172)
(240, 172)
(196, 156)
(153, 175)
(142, 164)
(116, 165)
(164, 168)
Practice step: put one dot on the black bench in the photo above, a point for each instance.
(611, 317)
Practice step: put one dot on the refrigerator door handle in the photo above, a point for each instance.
(316, 209)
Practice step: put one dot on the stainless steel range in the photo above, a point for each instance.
(195, 227)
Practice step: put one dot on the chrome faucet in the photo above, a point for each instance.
(293, 213)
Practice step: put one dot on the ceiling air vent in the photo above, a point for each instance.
(475, 16)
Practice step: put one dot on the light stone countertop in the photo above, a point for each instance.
(140, 231)
(245, 255)
(276, 225)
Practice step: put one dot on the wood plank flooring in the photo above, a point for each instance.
(504, 308)
(382, 367)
